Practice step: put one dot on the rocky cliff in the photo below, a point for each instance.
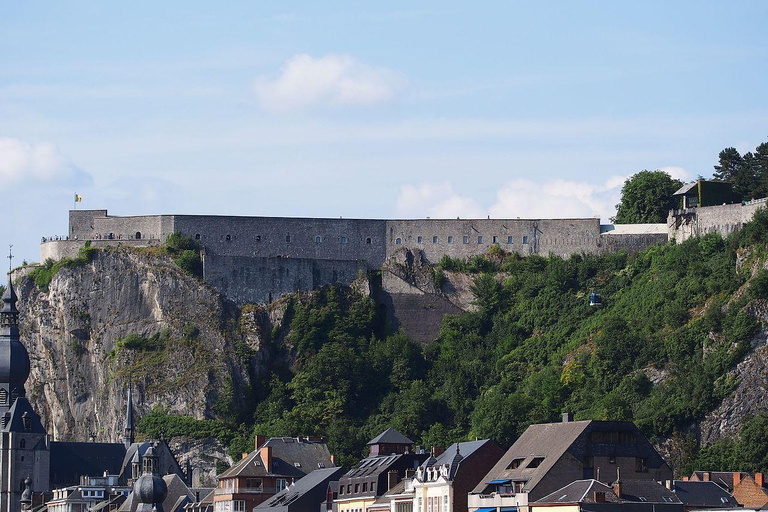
(186, 360)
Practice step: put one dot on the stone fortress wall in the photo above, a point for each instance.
(258, 259)
(723, 219)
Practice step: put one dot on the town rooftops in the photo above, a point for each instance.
(305, 494)
(703, 494)
(541, 446)
(453, 457)
(291, 457)
(636, 491)
(70, 461)
(390, 436)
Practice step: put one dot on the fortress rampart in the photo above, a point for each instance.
(723, 219)
(258, 259)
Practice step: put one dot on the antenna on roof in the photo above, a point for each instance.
(10, 257)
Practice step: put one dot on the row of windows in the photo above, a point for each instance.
(318, 239)
(516, 463)
(641, 463)
(435, 239)
(433, 504)
(348, 488)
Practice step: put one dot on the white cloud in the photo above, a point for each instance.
(678, 173)
(41, 162)
(331, 80)
(526, 199)
(437, 200)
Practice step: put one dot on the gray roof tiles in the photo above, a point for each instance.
(390, 436)
(290, 458)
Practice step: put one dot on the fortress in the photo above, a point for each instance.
(259, 259)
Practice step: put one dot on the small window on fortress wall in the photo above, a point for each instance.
(228, 238)
(318, 239)
(258, 238)
(368, 240)
(434, 239)
(525, 239)
(450, 239)
(197, 236)
(418, 239)
(510, 240)
(398, 241)
(495, 239)
(343, 239)
(288, 238)
(480, 239)
(466, 239)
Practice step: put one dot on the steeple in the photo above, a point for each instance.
(14, 360)
(128, 431)
(150, 490)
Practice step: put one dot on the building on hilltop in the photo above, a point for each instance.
(706, 193)
(260, 259)
(550, 455)
(273, 466)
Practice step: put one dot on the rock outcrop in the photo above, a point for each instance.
(79, 371)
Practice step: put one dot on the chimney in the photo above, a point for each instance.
(599, 497)
(266, 457)
(392, 479)
(437, 451)
(299, 438)
(410, 472)
(567, 416)
(668, 484)
(685, 478)
(736, 479)
(244, 455)
(706, 476)
(617, 488)
(258, 441)
(759, 480)
(333, 459)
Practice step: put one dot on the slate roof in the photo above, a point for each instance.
(703, 494)
(372, 466)
(390, 436)
(453, 459)
(722, 478)
(685, 188)
(15, 423)
(635, 491)
(167, 462)
(647, 490)
(384, 501)
(580, 491)
(69, 461)
(287, 452)
(177, 491)
(305, 495)
(548, 440)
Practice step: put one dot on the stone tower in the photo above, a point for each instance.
(24, 444)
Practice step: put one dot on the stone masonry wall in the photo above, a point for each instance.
(464, 238)
(251, 279)
(723, 219)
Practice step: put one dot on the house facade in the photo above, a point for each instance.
(274, 465)
(548, 456)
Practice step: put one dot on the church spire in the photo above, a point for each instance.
(128, 432)
(14, 359)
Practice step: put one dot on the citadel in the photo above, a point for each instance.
(259, 259)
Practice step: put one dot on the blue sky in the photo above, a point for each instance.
(354, 109)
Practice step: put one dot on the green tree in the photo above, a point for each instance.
(729, 165)
(646, 198)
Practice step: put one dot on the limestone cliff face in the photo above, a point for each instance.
(79, 375)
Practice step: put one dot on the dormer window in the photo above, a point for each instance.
(515, 463)
(3, 397)
(536, 462)
(26, 421)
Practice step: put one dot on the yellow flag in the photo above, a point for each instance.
(78, 198)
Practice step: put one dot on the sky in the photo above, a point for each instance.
(361, 109)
